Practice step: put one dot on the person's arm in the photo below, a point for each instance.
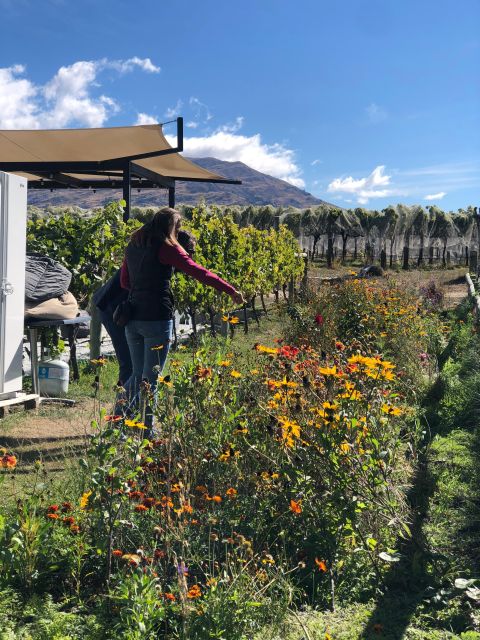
(176, 257)
(124, 275)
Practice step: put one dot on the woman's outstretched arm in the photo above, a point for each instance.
(178, 258)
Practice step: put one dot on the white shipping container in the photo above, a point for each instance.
(13, 222)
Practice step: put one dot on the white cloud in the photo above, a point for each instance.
(201, 111)
(65, 100)
(375, 113)
(173, 112)
(364, 188)
(192, 124)
(315, 162)
(124, 66)
(436, 196)
(275, 160)
(69, 98)
(145, 118)
(17, 100)
(233, 127)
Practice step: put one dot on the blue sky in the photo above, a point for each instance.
(360, 102)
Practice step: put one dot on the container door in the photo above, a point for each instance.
(13, 220)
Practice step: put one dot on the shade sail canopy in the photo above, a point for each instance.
(98, 157)
(69, 145)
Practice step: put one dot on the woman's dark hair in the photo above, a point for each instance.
(163, 227)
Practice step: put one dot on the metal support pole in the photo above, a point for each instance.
(33, 333)
(171, 197)
(127, 192)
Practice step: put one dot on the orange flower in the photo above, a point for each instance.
(112, 418)
(201, 488)
(52, 516)
(169, 596)
(321, 565)
(231, 493)
(202, 373)
(295, 507)
(141, 508)
(216, 499)
(118, 553)
(8, 462)
(194, 592)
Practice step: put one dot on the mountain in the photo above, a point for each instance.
(256, 189)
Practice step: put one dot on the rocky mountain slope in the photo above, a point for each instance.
(256, 189)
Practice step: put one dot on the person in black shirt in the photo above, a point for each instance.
(109, 296)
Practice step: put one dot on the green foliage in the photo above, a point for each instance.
(140, 611)
(254, 261)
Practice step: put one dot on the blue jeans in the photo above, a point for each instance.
(119, 341)
(147, 362)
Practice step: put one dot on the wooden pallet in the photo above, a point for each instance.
(29, 401)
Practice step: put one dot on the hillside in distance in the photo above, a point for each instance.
(256, 189)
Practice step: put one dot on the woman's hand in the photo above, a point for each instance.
(238, 298)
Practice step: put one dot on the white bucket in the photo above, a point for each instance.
(53, 377)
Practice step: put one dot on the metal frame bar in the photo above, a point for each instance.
(118, 172)
(115, 182)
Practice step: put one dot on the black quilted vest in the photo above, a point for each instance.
(150, 284)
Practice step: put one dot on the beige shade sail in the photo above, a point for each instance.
(69, 145)
(45, 155)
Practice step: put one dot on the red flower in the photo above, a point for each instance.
(319, 319)
(66, 507)
(53, 508)
(289, 352)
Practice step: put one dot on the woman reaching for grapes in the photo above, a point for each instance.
(150, 259)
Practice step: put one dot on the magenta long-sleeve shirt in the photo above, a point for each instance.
(175, 256)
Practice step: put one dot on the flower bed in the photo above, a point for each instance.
(276, 480)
